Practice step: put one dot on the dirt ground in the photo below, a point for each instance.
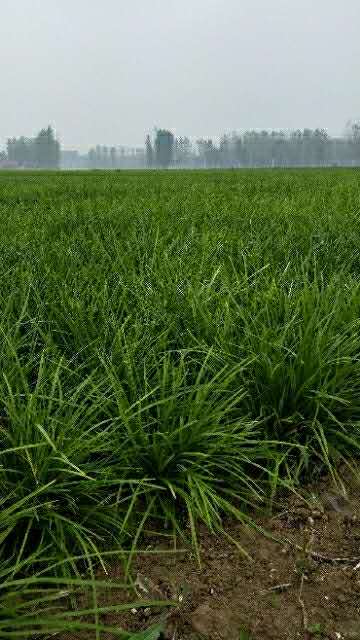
(307, 586)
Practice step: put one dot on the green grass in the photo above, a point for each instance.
(174, 346)
(41, 606)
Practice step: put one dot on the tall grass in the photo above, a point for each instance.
(41, 606)
(173, 346)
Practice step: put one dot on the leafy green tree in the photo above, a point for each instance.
(98, 156)
(183, 152)
(22, 151)
(113, 157)
(92, 159)
(149, 152)
(164, 148)
(105, 157)
(10, 146)
(208, 153)
(320, 139)
(47, 149)
(355, 138)
(237, 148)
(224, 151)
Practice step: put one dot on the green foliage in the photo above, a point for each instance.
(164, 148)
(43, 151)
(149, 152)
(47, 149)
(316, 630)
(172, 347)
(35, 604)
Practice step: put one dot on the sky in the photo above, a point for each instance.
(110, 71)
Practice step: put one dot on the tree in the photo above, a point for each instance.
(355, 139)
(98, 157)
(320, 140)
(183, 152)
(22, 151)
(355, 131)
(295, 147)
(164, 148)
(92, 158)
(149, 152)
(237, 149)
(105, 156)
(224, 151)
(113, 157)
(10, 146)
(208, 153)
(47, 149)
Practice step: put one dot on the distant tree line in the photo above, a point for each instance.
(103, 157)
(43, 151)
(255, 149)
(309, 147)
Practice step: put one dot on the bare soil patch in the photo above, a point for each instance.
(307, 586)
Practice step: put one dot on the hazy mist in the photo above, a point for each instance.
(110, 71)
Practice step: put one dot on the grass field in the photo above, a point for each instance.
(175, 346)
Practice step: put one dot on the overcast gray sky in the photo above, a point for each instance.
(108, 71)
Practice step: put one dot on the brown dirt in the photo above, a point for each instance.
(305, 587)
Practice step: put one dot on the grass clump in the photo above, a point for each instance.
(173, 346)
